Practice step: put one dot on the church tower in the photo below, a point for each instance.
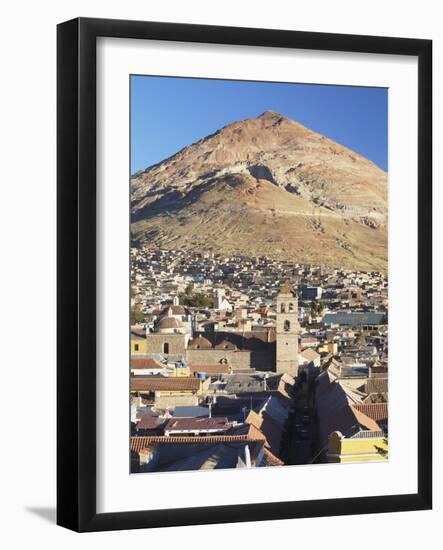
(288, 330)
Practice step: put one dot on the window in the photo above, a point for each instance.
(291, 307)
(287, 326)
(135, 347)
(283, 308)
(166, 347)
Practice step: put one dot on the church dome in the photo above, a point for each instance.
(174, 310)
(167, 323)
(199, 343)
(224, 344)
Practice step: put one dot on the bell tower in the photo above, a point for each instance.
(288, 330)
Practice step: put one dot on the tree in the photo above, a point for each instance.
(137, 315)
(316, 309)
(196, 299)
(379, 397)
(188, 290)
(383, 451)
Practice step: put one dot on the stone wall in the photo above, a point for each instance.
(238, 359)
(163, 401)
(176, 342)
(287, 353)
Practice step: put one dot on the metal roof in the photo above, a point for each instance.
(354, 318)
(190, 411)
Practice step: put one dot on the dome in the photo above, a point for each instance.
(199, 343)
(174, 310)
(169, 323)
(224, 344)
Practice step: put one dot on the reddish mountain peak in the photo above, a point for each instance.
(310, 196)
(271, 115)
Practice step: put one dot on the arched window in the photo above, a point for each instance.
(287, 326)
(166, 347)
(283, 308)
(291, 307)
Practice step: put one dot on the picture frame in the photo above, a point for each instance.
(77, 282)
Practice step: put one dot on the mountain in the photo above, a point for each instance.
(266, 186)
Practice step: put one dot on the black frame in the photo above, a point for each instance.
(76, 265)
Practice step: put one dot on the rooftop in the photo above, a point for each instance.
(158, 383)
(196, 424)
(145, 363)
(142, 442)
(348, 318)
(210, 368)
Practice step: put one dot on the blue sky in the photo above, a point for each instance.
(169, 113)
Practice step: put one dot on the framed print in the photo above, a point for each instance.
(244, 274)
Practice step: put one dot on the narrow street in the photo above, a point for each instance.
(299, 442)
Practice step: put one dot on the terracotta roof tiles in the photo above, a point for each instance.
(142, 442)
(210, 368)
(376, 411)
(145, 363)
(157, 383)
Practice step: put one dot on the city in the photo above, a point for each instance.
(240, 362)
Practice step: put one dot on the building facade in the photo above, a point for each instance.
(288, 330)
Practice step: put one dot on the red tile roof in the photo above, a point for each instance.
(376, 411)
(145, 363)
(142, 442)
(271, 460)
(210, 368)
(157, 383)
(364, 420)
(149, 423)
(269, 428)
(347, 420)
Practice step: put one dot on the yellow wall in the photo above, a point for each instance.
(142, 346)
(330, 347)
(164, 393)
(342, 449)
(183, 371)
